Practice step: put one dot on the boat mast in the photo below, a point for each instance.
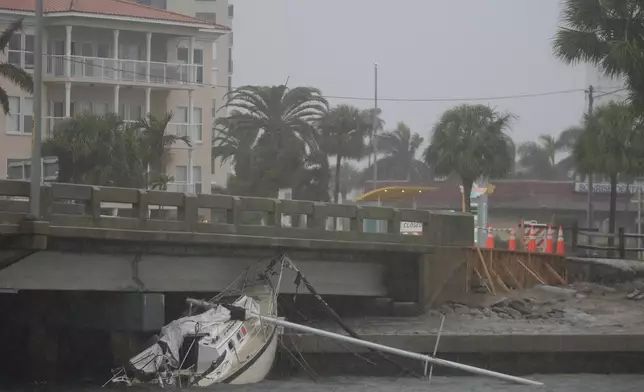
(396, 351)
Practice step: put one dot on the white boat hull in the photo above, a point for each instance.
(261, 367)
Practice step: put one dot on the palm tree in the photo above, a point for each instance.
(284, 118)
(607, 34)
(399, 148)
(155, 144)
(375, 124)
(612, 143)
(471, 141)
(232, 143)
(539, 158)
(16, 75)
(343, 135)
(350, 178)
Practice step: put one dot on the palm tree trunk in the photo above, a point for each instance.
(613, 211)
(467, 190)
(336, 191)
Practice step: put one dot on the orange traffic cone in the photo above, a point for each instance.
(561, 247)
(512, 245)
(490, 237)
(532, 245)
(550, 247)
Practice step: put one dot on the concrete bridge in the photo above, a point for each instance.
(174, 242)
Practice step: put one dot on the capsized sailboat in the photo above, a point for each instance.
(225, 341)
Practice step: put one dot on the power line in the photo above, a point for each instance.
(347, 97)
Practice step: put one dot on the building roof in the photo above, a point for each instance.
(119, 8)
(517, 194)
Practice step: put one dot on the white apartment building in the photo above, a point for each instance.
(129, 57)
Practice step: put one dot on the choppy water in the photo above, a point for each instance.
(554, 383)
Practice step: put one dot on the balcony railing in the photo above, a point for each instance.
(98, 69)
(183, 130)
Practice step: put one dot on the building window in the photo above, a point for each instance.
(214, 51)
(20, 169)
(231, 11)
(20, 118)
(21, 51)
(181, 117)
(181, 178)
(214, 108)
(213, 76)
(196, 177)
(198, 58)
(230, 84)
(440, 178)
(198, 124)
(230, 38)
(182, 55)
(211, 16)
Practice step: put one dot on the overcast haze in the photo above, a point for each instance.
(424, 49)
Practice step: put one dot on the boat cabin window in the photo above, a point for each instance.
(238, 337)
(231, 345)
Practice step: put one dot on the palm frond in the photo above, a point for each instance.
(6, 35)
(18, 76)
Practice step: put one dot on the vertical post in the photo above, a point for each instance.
(117, 90)
(148, 45)
(622, 243)
(148, 94)
(115, 44)
(589, 212)
(68, 99)
(34, 195)
(639, 220)
(68, 51)
(190, 147)
(575, 234)
(375, 127)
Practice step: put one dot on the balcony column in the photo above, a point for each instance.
(117, 89)
(148, 43)
(192, 72)
(68, 51)
(68, 99)
(115, 56)
(148, 93)
(191, 109)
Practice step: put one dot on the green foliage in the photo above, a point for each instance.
(16, 75)
(102, 150)
(607, 34)
(97, 150)
(471, 141)
(612, 143)
(343, 131)
(398, 149)
(268, 135)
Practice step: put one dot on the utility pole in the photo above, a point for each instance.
(36, 161)
(374, 118)
(589, 212)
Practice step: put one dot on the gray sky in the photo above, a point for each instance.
(424, 49)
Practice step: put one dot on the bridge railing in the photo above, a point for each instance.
(67, 206)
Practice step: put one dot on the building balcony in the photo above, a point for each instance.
(119, 71)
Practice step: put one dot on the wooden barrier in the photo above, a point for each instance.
(502, 271)
(610, 249)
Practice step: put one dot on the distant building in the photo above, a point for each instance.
(129, 57)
